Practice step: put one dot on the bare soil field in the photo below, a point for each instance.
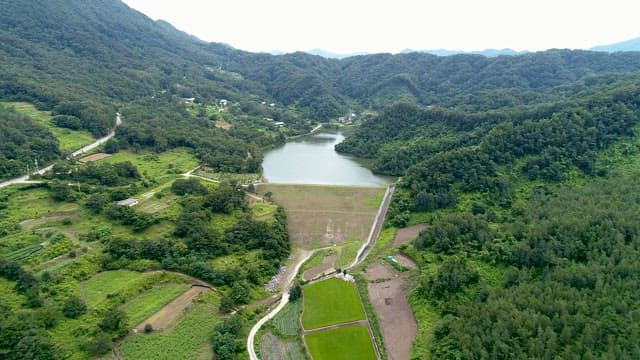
(380, 271)
(405, 261)
(397, 323)
(407, 234)
(221, 124)
(94, 157)
(31, 224)
(164, 318)
(325, 215)
(328, 263)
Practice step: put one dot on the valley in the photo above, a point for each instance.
(190, 200)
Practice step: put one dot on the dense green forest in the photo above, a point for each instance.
(22, 143)
(532, 244)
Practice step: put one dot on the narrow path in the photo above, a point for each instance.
(25, 178)
(362, 254)
(364, 323)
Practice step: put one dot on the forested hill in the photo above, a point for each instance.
(84, 60)
(470, 82)
(105, 53)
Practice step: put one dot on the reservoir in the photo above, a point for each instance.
(312, 160)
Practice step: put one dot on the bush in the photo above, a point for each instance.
(74, 307)
(148, 328)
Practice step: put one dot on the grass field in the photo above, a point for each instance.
(325, 215)
(260, 210)
(151, 301)
(329, 302)
(217, 176)
(99, 287)
(159, 167)
(70, 140)
(188, 340)
(347, 343)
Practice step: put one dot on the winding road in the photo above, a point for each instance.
(25, 178)
(283, 301)
(362, 254)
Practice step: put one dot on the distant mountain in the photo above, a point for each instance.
(628, 45)
(331, 55)
(438, 52)
(486, 52)
(105, 54)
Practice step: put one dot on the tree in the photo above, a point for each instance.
(240, 292)
(96, 202)
(35, 347)
(148, 328)
(115, 321)
(112, 146)
(296, 292)
(98, 345)
(74, 307)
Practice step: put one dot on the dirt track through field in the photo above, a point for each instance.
(363, 323)
(164, 318)
(327, 263)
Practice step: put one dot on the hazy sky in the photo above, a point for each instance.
(346, 26)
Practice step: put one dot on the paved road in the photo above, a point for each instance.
(100, 141)
(283, 301)
(376, 227)
(362, 254)
(25, 179)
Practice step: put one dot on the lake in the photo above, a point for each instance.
(312, 160)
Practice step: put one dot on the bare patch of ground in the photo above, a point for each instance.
(54, 216)
(405, 261)
(221, 124)
(327, 265)
(320, 216)
(94, 157)
(164, 318)
(397, 323)
(379, 271)
(407, 234)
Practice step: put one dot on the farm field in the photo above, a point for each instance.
(99, 287)
(352, 342)
(70, 140)
(151, 301)
(281, 339)
(189, 339)
(273, 347)
(330, 302)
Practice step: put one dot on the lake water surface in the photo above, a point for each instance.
(312, 160)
